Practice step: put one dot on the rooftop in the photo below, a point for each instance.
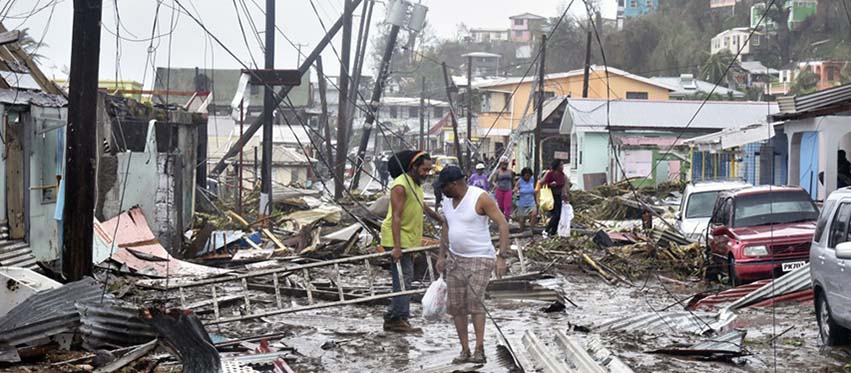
(592, 115)
(572, 73)
(760, 189)
(686, 84)
(22, 82)
(527, 16)
(482, 55)
(756, 67)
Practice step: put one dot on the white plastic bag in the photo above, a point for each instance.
(565, 219)
(434, 300)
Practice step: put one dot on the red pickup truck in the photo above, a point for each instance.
(760, 232)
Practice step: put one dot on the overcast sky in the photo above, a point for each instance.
(190, 46)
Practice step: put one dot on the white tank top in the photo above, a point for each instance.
(469, 235)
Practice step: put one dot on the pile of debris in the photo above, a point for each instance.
(623, 256)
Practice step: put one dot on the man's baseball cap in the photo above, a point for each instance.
(480, 166)
(448, 175)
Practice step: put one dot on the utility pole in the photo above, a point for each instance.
(586, 75)
(469, 114)
(323, 118)
(298, 54)
(306, 65)
(452, 115)
(360, 54)
(397, 17)
(375, 100)
(241, 163)
(422, 113)
(268, 115)
(343, 100)
(540, 105)
(78, 214)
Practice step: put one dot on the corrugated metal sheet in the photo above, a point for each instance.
(17, 254)
(814, 101)
(570, 355)
(112, 325)
(723, 347)
(696, 322)
(48, 313)
(21, 97)
(792, 282)
(728, 295)
(584, 115)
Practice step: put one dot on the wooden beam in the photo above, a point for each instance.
(10, 37)
(46, 84)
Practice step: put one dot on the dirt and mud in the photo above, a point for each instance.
(351, 339)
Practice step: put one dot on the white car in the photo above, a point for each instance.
(697, 204)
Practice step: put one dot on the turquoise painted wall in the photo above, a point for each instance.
(595, 154)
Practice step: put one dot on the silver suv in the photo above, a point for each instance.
(830, 268)
(697, 204)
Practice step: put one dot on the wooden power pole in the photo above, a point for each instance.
(343, 102)
(323, 118)
(587, 72)
(269, 104)
(457, 142)
(540, 105)
(78, 214)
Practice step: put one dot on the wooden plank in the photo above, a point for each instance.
(274, 239)
(10, 37)
(15, 182)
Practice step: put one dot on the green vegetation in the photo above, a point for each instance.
(671, 41)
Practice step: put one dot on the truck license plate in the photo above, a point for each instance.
(791, 266)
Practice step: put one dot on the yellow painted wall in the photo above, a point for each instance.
(571, 86)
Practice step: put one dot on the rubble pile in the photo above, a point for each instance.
(150, 307)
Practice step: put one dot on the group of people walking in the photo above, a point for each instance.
(517, 197)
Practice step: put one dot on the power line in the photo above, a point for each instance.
(223, 46)
(714, 87)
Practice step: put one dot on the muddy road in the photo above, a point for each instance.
(351, 339)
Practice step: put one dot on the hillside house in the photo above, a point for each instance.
(484, 64)
(484, 35)
(523, 27)
(829, 72)
(734, 39)
(635, 8)
(799, 11)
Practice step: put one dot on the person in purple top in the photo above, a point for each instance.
(479, 179)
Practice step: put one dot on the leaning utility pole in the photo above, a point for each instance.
(397, 16)
(343, 103)
(469, 114)
(323, 118)
(540, 105)
(78, 214)
(268, 115)
(452, 115)
(375, 100)
(422, 113)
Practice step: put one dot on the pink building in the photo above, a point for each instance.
(523, 26)
(829, 72)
